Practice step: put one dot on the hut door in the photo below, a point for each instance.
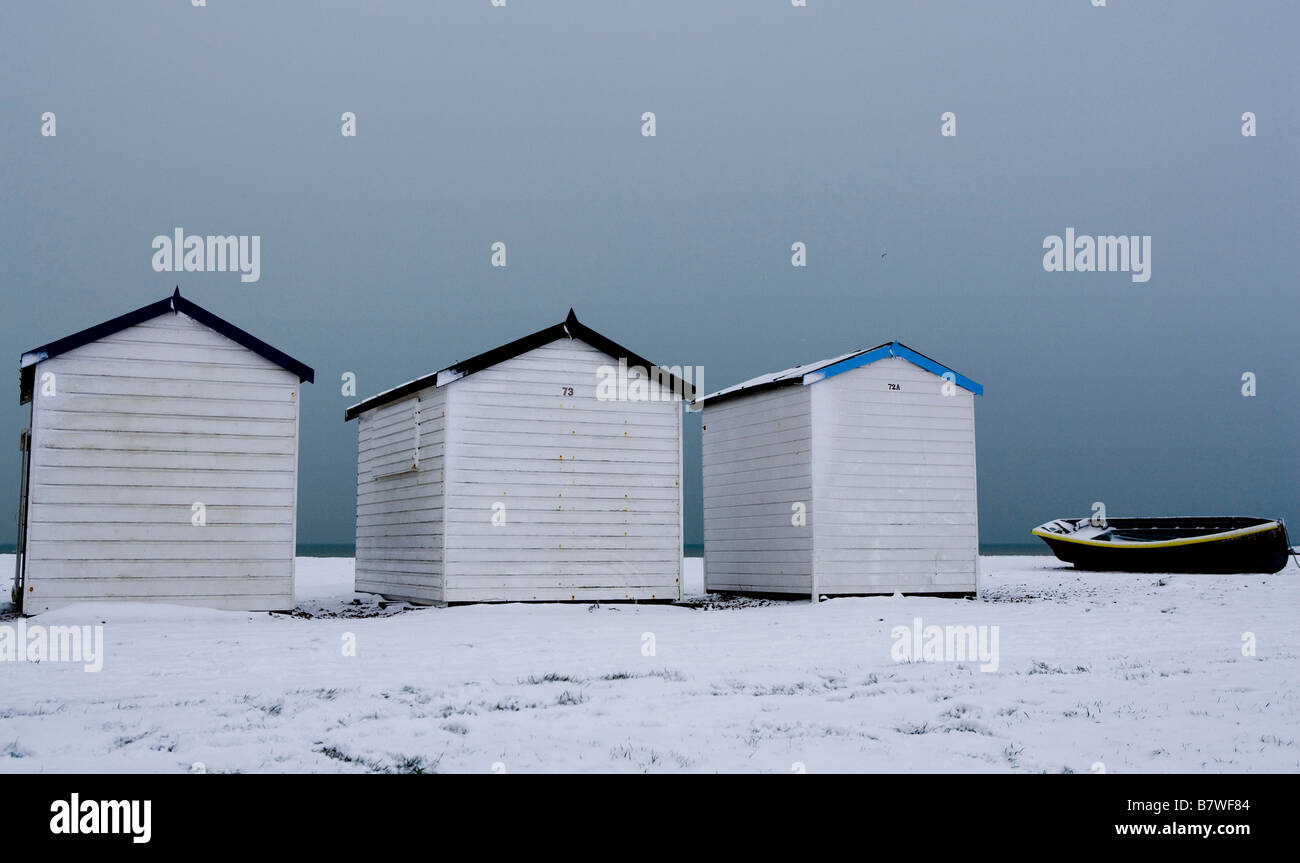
(20, 552)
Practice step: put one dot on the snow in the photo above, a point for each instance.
(784, 374)
(1139, 673)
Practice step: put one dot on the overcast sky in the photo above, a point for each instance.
(775, 124)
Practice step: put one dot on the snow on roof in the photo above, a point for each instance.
(784, 375)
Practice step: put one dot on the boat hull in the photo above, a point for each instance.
(1184, 546)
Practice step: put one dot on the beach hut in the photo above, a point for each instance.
(161, 464)
(549, 468)
(853, 475)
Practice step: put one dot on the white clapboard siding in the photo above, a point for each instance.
(143, 424)
(400, 458)
(591, 489)
(895, 512)
(756, 458)
(883, 460)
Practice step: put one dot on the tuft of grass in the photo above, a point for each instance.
(14, 750)
(552, 677)
(400, 763)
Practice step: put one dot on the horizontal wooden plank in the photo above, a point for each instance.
(173, 406)
(220, 368)
(579, 486)
(788, 419)
(196, 480)
(559, 410)
(753, 461)
(458, 568)
(203, 390)
(789, 479)
(56, 420)
(148, 588)
(197, 568)
(570, 425)
(409, 486)
(401, 535)
(148, 534)
(400, 445)
(155, 460)
(463, 556)
(846, 458)
(378, 567)
(759, 536)
(547, 440)
(852, 475)
(917, 496)
(426, 518)
(121, 552)
(779, 500)
(610, 463)
(153, 514)
(830, 529)
(540, 523)
(158, 496)
(401, 593)
(429, 507)
(841, 570)
(759, 577)
(560, 594)
(156, 351)
(277, 602)
(128, 441)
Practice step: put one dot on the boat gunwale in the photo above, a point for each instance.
(1160, 543)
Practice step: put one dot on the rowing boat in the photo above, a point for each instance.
(1214, 545)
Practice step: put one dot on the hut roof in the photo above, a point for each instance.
(569, 328)
(174, 303)
(811, 373)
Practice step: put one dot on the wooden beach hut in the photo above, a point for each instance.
(548, 468)
(161, 464)
(853, 475)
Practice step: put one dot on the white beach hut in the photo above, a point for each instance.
(161, 464)
(546, 469)
(854, 475)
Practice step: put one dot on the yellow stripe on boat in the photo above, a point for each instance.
(1163, 543)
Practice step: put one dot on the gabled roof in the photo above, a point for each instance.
(818, 371)
(569, 328)
(174, 303)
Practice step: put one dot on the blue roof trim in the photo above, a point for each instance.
(895, 349)
(862, 359)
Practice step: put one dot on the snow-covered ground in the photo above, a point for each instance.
(1133, 672)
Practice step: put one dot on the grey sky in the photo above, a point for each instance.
(775, 124)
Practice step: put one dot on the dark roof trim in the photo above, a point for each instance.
(570, 327)
(174, 303)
